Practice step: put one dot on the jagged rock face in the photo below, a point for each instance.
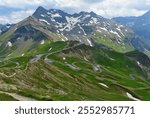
(28, 32)
(82, 23)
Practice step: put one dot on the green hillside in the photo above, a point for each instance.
(74, 71)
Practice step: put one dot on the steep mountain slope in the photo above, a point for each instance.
(87, 28)
(91, 28)
(25, 34)
(141, 22)
(74, 71)
(140, 25)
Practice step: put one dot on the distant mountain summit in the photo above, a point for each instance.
(4, 28)
(140, 25)
(146, 15)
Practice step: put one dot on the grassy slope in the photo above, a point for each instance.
(4, 97)
(57, 81)
(112, 44)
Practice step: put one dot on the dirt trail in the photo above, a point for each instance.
(18, 97)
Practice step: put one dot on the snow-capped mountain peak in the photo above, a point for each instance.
(84, 25)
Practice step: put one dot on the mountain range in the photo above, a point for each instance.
(140, 25)
(85, 27)
(53, 55)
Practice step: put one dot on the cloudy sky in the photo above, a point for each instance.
(12, 11)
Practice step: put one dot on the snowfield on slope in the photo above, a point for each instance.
(132, 97)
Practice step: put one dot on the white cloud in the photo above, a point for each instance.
(106, 8)
(22, 3)
(15, 17)
(68, 3)
(112, 8)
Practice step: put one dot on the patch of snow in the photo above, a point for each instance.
(9, 44)
(7, 26)
(71, 22)
(104, 85)
(90, 43)
(42, 42)
(114, 32)
(42, 15)
(85, 59)
(138, 63)
(132, 97)
(146, 50)
(103, 28)
(62, 39)
(57, 31)
(79, 39)
(42, 20)
(55, 15)
(93, 20)
(52, 19)
(48, 13)
(82, 29)
(64, 58)
(120, 31)
(66, 38)
(50, 49)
